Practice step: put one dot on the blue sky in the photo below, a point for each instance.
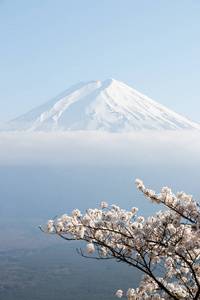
(49, 45)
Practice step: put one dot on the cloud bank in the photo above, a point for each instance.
(99, 148)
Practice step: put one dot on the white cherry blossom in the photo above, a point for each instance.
(168, 241)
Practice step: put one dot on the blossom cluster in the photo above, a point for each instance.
(169, 240)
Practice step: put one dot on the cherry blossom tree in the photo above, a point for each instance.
(169, 241)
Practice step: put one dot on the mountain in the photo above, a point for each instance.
(107, 105)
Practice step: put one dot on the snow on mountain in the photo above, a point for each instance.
(107, 105)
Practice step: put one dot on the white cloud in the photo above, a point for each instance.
(99, 148)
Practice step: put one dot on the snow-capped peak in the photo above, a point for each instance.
(107, 105)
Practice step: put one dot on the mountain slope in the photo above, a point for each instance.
(109, 105)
